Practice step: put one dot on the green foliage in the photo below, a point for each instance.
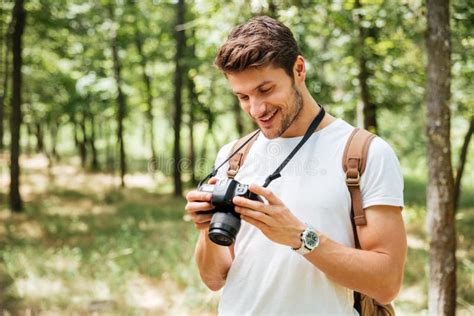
(69, 76)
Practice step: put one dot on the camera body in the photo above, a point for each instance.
(225, 223)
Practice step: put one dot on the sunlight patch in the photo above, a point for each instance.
(27, 230)
(416, 243)
(37, 287)
(142, 293)
(77, 208)
(63, 263)
(140, 181)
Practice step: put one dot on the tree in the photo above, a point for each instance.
(139, 39)
(462, 56)
(369, 109)
(440, 193)
(193, 107)
(5, 56)
(19, 17)
(178, 102)
(121, 102)
(462, 163)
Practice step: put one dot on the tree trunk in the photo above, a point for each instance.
(369, 109)
(83, 142)
(192, 152)
(149, 95)
(272, 9)
(6, 71)
(178, 84)
(3, 62)
(109, 149)
(29, 133)
(95, 161)
(461, 163)
(80, 143)
(53, 130)
(19, 16)
(193, 106)
(121, 102)
(440, 198)
(39, 136)
(76, 140)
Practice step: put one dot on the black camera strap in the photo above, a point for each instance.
(312, 127)
(214, 170)
(276, 174)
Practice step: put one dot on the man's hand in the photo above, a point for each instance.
(198, 205)
(274, 219)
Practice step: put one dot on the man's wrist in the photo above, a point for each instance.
(297, 236)
(309, 240)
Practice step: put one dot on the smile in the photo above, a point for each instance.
(269, 116)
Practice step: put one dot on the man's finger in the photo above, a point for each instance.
(256, 215)
(260, 225)
(255, 205)
(198, 206)
(198, 196)
(266, 193)
(201, 218)
(201, 226)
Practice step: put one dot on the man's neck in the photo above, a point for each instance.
(309, 111)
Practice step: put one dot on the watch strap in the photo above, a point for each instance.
(305, 248)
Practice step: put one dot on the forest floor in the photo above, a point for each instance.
(85, 246)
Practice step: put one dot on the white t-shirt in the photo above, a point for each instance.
(268, 278)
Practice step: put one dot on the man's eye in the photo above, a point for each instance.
(265, 90)
(243, 98)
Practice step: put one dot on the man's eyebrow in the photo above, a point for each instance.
(259, 86)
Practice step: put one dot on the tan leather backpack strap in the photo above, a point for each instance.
(354, 160)
(238, 160)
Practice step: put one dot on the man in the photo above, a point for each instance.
(260, 273)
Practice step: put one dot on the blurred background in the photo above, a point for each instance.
(110, 111)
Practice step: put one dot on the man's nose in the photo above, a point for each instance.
(257, 107)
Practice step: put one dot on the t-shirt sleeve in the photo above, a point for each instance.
(382, 181)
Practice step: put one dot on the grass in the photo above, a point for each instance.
(84, 246)
(101, 250)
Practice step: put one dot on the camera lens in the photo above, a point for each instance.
(223, 228)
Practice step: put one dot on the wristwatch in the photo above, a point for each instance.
(309, 241)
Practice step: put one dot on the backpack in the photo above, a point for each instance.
(354, 161)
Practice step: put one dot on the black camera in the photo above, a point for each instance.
(225, 222)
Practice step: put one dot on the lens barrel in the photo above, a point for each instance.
(223, 228)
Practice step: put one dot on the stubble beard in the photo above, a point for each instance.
(289, 118)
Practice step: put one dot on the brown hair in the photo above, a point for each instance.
(259, 42)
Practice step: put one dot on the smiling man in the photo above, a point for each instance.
(295, 254)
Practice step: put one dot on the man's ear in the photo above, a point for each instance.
(299, 69)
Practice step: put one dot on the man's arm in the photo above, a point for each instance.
(376, 270)
(213, 261)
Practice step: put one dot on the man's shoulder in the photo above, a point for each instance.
(378, 147)
(227, 147)
(381, 153)
(224, 151)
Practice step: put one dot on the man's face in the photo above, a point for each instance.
(269, 96)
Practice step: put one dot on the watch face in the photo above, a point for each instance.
(311, 239)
